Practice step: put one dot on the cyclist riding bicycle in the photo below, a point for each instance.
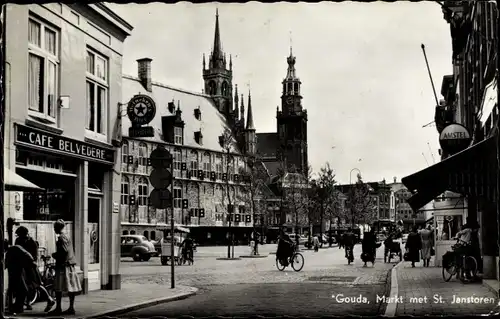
(285, 248)
(187, 248)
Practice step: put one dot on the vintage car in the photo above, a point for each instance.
(138, 247)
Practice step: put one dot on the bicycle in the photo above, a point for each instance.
(458, 264)
(48, 278)
(186, 256)
(296, 258)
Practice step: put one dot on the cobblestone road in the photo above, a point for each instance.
(254, 286)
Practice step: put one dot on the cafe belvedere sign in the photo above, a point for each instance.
(33, 138)
(454, 138)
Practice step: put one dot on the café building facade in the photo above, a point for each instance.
(62, 143)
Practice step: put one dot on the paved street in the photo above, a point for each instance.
(254, 286)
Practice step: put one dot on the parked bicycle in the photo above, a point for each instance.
(48, 278)
(462, 265)
(296, 260)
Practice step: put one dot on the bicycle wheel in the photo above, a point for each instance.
(297, 261)
(468, 268)
(280, 266)
(449, 272)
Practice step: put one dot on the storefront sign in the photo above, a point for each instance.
(141, 110)
(58, 144)
(454, 138)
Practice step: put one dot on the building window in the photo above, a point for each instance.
(218, 166)
(177, 163)
(125, 190)
(97, 94)
(194, 164)
(142, 199)
(43, 70)
(125, 152)
(178, 135)
(177, 196)
(206, 164)
(143, 154)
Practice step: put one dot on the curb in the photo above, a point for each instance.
(390, 310)
(144, 304)
(254, 256)
(225, 258)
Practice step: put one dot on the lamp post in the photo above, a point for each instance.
(350, 186)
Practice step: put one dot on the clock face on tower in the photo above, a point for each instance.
(289, 100)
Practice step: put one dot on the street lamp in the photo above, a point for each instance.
(351, 189)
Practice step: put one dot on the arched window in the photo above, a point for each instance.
(125, 152)
(206, 164)
(218, 166)
(153, 235)
(296, 88)
(194, 163)
(225, 89)
(177, 162)
(146, 234)
(132, 232)
(212, 88)
(143, 186)
(125, 190)
(177, 195)
(143, 154)
(125, 232)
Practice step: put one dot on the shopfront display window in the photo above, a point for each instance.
(51, 205)
(448, 226)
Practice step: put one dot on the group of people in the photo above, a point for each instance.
(24, 275)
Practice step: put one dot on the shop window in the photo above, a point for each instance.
(177, 196)
(153, 235)
(97, 95)
(52, 205)
(449, 226)
(125, 190)
(43, 70)
(177, 163)
(125, 152)
(146, 234)
(143, 192)
(143, 154)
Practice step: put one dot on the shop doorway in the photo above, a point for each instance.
(94, 213)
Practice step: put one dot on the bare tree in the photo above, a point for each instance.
(362, 207)
(226, 141)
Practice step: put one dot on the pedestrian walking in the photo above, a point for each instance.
(427, 238)
(18, 262)
(369, 248)
(413, 246)
(316, 243)
(66, 279)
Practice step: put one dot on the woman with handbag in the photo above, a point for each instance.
(426, 235)
(413, 246)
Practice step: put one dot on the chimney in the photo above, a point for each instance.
(144, 72)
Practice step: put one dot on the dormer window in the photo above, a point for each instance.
(197, 113)
(171, 107)
(178, 135)
(198, 137)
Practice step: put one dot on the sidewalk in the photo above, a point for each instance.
(114, 302)
(420, 290)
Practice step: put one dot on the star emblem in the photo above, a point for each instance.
(139, 109)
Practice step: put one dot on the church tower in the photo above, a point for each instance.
(292, 122)
(217, 77)
(250, 137)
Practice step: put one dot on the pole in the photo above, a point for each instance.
(2, 130)
(497, 193)
(172, 228)
(429, 71)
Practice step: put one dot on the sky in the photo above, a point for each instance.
(364, 80)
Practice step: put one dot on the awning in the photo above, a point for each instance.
(14, 182)
(489, 100)
(177, 228)
(471, 171)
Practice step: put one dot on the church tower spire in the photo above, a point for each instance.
(217, 78)
(250, 136)
(236, 107)
(250, 125)
(242, 112)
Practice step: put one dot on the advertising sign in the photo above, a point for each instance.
(454, 138)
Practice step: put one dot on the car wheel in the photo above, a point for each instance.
(137, 257)
(164, 261)
(146, 257)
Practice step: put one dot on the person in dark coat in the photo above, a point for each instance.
(285, 246)
(369, 247)
(413, 246)
(19, 264)
(29, 244)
